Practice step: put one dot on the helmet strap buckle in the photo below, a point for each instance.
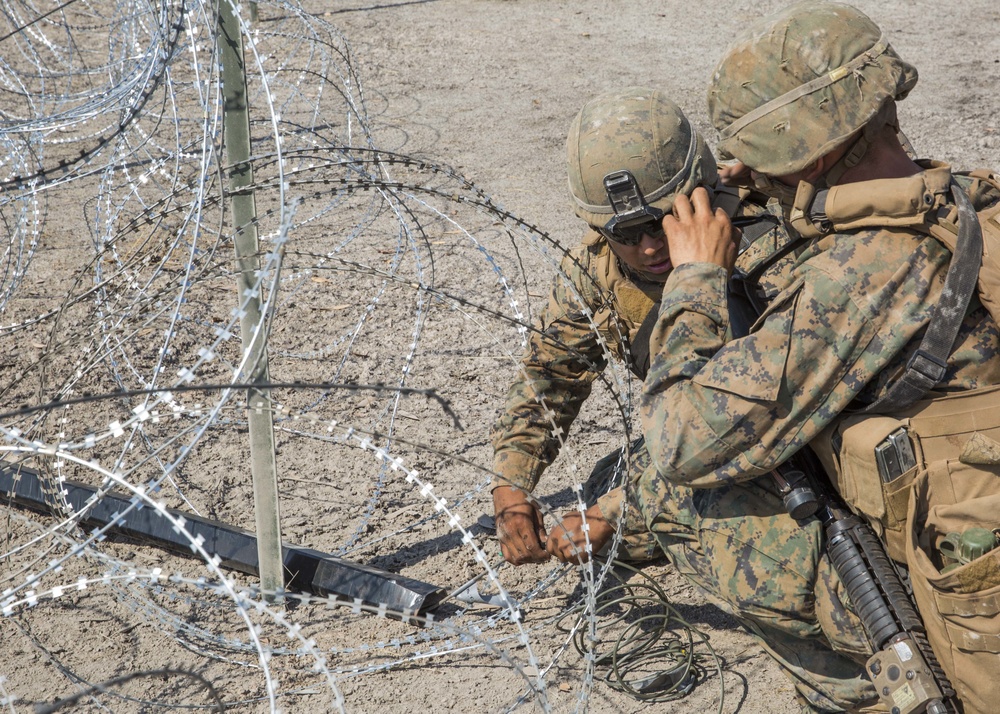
(808, 214)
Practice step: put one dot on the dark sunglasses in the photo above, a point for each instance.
(631, 233)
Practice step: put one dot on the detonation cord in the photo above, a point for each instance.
(648, 648)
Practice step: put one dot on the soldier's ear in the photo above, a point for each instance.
(817, 168)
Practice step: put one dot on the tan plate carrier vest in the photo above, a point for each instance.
(955, 484)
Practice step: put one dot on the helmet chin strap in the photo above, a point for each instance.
(776, 189)
(851, 158)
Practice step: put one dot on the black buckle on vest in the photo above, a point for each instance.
(927, 366)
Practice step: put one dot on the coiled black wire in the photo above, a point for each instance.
(649, 650)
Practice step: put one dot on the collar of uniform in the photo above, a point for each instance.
(900, 202)
(592, 237)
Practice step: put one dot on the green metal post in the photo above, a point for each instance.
(236, 123)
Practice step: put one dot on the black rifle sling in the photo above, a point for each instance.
(928, 364)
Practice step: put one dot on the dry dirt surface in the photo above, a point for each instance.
(410, 189)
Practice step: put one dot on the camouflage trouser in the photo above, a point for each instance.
(739, 545)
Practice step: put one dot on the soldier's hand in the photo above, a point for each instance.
(697, 234)
(567, 541)
(736, 174)
(519, 526)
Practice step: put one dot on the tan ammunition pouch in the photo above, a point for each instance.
(961, 608)
(962, 427)
(954, 486)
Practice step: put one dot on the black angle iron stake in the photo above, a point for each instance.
(307, 570)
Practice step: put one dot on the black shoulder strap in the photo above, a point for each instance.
(639, 347)
(928, 364)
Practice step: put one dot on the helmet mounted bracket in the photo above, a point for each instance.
(630, 207)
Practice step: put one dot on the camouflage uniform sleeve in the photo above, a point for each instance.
(611, 505)
(556, 375)
(716, 413)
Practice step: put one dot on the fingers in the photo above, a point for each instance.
(697, 233)
(701, 202)
(567, 542)
(519, 527)
(697, 207)
(735, 174)
(521, 545)
(670, 225)
(519, 539)
(683, 211)
(570, 544)
(523, 538)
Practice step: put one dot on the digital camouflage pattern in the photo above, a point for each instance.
(719, 413)
(625, 467)
(594, 311)
(743, 549)
(595, 308)
(758, 564)
(797, 84)
(715, 412)
(638, 129)
(738, 544)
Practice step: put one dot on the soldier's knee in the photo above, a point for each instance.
(763, 584)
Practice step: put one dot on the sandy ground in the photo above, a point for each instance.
(389, 270)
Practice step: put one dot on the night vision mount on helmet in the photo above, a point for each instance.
(639, 131)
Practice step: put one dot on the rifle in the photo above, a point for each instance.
(907, 675)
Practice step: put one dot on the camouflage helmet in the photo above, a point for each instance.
(797, 84)
(640, 130)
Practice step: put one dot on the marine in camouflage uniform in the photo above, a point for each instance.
(594, 311)
(779, 589)
(600, 298)
(806, 99)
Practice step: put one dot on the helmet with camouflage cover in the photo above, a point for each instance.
(636, 129)
(798, 84)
